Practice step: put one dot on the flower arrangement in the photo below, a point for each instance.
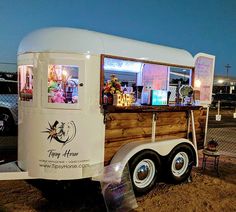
(113, 86)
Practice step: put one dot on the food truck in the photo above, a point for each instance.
(89, 100)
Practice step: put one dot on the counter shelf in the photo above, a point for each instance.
(146, 108)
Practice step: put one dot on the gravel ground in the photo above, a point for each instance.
(206, 192)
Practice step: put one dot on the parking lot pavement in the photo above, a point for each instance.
(227, 120)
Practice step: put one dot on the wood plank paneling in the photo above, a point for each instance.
(123, 128)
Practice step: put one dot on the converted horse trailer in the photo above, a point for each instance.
(88, 100)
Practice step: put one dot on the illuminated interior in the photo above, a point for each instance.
(63, 84)
(25, 82)
(141, 78)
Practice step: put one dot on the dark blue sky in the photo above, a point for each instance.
(198, 26)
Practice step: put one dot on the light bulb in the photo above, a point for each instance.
(198, 83)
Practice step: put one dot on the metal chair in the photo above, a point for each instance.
(211, 154)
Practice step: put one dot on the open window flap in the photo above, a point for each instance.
(203, 76)
(10, 171)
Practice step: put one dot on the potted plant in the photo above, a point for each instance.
(212, 145)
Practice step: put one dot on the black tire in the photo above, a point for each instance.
(7, 122)
(179, 163)
(145, 169)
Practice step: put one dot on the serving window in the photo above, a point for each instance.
(178, 78)
(133, 82)
(26, 82)
(63, 84)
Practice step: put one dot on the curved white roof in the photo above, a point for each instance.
(69, 40)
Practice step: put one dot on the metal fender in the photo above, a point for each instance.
(163, 148)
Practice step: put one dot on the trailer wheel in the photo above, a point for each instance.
(145, 168)
(180, 163)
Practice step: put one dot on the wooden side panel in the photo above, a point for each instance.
(200, 124)
(123, 128)
(171, 125)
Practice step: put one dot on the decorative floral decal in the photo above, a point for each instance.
(61, 132)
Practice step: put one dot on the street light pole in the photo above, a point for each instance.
(227, 71)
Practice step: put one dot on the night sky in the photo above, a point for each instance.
(198, 26)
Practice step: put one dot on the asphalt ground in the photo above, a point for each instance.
(227, 119)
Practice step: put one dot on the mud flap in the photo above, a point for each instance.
(117, 190)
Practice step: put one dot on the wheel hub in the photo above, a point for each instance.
(142, 172)
(179, 163)
(3, 121)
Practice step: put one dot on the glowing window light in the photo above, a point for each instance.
(122, 65)
(198, 83)
(64, 72)
(220, 81)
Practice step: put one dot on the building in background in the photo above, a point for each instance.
(224, 84)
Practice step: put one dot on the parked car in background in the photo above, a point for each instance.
(226, 100)
(8, 106)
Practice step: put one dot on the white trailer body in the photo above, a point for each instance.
(78, 152)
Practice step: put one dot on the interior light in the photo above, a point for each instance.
(220, 81)
(198, 83)
(64, 73)
(112, 64)
(88, 56)
(143, 58)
